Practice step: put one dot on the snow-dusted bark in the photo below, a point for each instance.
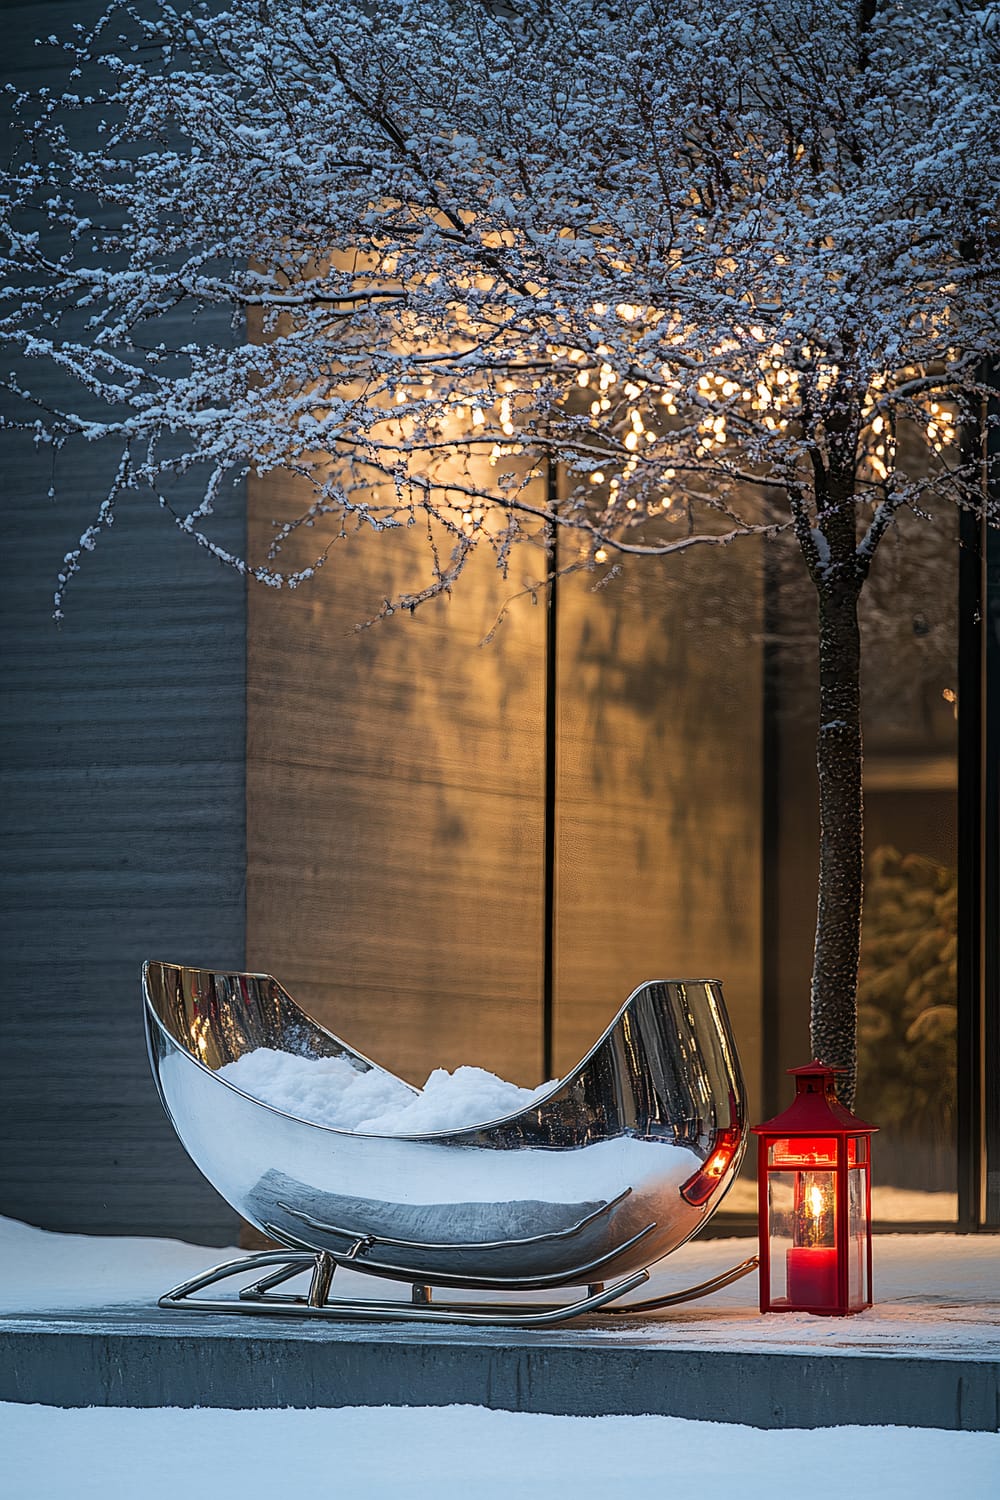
(838, 763)
(712, 259)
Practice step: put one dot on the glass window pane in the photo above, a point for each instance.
(908, 992)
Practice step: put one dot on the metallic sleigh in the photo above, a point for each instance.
(621, 1162)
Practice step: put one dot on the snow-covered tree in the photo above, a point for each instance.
(735, 268)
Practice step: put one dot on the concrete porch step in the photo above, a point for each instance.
(139, 1357)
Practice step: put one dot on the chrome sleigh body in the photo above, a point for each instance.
(620, 1163)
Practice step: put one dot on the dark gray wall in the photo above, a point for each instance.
(122, 821)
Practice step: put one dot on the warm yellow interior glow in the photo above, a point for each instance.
(815, 1201)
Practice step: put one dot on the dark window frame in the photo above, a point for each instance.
(979, 854)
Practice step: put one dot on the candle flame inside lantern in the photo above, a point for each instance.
(814, 1215)
(815, 1201)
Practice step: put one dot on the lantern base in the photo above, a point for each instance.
(783, 1305)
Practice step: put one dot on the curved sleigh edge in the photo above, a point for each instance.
(346, 1049)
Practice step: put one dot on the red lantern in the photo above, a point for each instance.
(814, 1202)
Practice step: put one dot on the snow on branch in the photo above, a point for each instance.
(735, 270)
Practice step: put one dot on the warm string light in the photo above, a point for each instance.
(772, 393)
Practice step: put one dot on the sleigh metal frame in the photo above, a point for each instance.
(622, 1161)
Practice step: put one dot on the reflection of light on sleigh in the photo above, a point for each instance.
(621, 1162)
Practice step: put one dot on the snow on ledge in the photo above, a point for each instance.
(936, 1294)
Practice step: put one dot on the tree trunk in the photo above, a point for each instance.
(833, 1028)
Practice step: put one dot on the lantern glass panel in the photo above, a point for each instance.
(812, 1256)
(815, 1151)
(780, 1219)
(858, 1294)
(803, 1151)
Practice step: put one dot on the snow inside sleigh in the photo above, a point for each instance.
(599, 1175)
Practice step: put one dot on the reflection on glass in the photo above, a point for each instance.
(780, 1217)
(908, 988)
(908, 991)
(857, 1239)
(908, 1021)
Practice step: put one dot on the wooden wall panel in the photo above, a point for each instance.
(396, 802)
(121, 812)
(659, 790)
(395, 806)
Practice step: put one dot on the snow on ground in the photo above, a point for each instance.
(935, 1293)
(912, 1204)
(40, 1271)
(469, 1453)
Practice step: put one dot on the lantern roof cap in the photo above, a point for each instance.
(815, 1110)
